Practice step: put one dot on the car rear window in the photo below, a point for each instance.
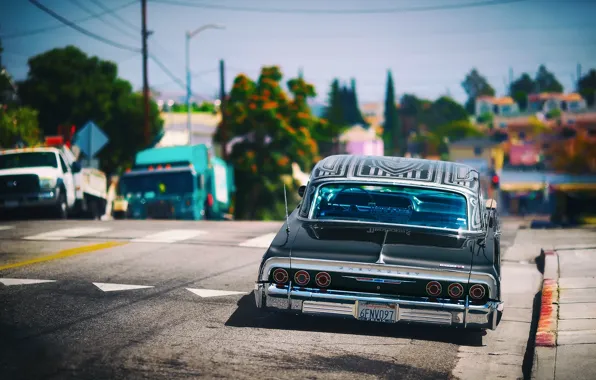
(391, 204)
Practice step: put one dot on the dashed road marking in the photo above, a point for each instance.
(263, 241)
(22, 281)
(169, 236)
(4, 228)
(117, 287)
(206, 293)
(66, 233)
(63, 254)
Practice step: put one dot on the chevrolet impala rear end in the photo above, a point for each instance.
(386, 251)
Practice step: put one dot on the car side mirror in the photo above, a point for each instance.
(76, 167)
(301, 190)
(491, 206)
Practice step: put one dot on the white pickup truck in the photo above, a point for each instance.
(50, 177)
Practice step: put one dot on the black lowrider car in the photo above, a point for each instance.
(388, 239)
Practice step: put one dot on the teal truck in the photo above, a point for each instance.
(179, 182)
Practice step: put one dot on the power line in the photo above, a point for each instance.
(84, 31)
(118, 17)
(48, 28)
(115, 26)
(174, 78)
(339, 11)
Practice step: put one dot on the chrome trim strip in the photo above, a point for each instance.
(380, 269)
(378, 280)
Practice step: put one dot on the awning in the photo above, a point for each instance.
(522, 186)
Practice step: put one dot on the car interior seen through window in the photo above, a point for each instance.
(391, 204)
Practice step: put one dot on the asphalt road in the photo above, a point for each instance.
(84, 323)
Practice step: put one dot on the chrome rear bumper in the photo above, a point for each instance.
(342, 304)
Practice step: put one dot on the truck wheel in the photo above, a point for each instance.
(62, 207)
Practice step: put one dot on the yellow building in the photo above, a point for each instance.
(482, 153)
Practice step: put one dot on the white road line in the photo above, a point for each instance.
(169, 236)
(22, 281)
(66, 233)
(259, 242)
(4, 228)
(116, 287)
(206, 293)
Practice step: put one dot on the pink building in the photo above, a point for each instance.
(358, 140)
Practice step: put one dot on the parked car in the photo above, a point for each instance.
(388, 239)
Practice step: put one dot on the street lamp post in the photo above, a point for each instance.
(190, 35)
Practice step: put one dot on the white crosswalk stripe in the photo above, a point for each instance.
(66, 233)
(106, 287)
(4, 228)
(262, 241)
(22, 281)
(169, 236)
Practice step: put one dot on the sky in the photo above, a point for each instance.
(429, 51)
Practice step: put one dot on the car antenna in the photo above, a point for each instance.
(287, 217)
(288, 236)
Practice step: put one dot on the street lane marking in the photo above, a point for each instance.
(263, 241)
(63, 254)
(169, 236)
(22, 281)
(116, 287)
(66, 233)
(205, 293)
(4, 228)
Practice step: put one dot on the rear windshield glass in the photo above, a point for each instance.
(391, 204)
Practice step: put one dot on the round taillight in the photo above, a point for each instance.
(280, 276)
(477, 291)
(323, 279)
(433, 288)
(302, 277)
(455, 290)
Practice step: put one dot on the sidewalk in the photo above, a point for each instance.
(566, 334)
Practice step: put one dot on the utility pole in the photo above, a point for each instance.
(222, 107)
(579, 75)
(145, 35)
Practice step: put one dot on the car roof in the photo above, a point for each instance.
(390, 169)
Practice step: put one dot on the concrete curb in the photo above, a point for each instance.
(545, 344)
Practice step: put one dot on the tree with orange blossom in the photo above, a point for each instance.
(271, 129)
(575, 155)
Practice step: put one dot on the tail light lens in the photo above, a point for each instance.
(280, 276)
(209, 200)
(433, 288)
(302, 277)
(323, 279)
(477, 292)
(455, 290)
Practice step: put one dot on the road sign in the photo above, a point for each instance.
(90, 139)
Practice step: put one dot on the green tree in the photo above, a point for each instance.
(521, 88)
(546, 81)
(476, 85)
(587, 86)
(443, 111)
(272, 131)
(335, 116)
(18, 125)
(391, 129)
(68, 87)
